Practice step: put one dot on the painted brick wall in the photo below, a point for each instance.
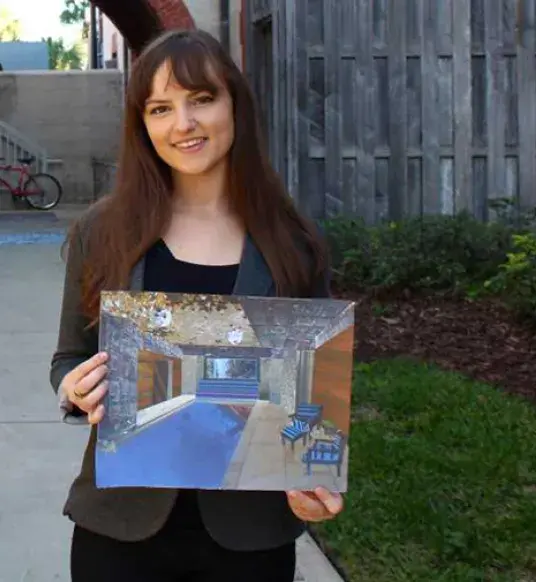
(146, 377)
(173, 13)
(332, 376)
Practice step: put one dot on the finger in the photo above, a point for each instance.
(96, 415)
(92, 400)
(84, 387)
(332, 501)
(86, 367)
(309, 507)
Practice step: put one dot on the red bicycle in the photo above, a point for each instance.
(41, 191)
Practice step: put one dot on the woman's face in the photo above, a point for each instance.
(191, 131)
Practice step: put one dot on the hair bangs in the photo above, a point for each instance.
(195, 68)
(193, 65)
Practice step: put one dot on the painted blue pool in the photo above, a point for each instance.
(191, 448)
(29, 238)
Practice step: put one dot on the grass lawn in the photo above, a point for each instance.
(442, 481)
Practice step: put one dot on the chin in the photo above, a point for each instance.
(192, 169)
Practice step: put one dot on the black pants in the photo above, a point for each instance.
(175, 556)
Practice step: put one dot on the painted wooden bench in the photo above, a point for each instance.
(228, 389)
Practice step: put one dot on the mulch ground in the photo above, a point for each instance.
(479, 339)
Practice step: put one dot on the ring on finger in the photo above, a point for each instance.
(78, 395)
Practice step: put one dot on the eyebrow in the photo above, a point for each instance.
(156, 101)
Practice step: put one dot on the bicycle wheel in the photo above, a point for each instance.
(42, 191)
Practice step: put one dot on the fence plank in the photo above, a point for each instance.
(365, 203)
(332, 68)
(431, 203)
(526, 79)
(495, 109)
(291, 55)
(398, 170)
(461, 16)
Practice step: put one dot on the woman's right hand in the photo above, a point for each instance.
(85, 386)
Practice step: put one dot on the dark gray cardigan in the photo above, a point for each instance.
(238, 520)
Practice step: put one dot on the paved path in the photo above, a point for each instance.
(39, 456)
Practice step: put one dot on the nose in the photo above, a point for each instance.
(184, 121)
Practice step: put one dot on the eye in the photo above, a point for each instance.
(203, 99)
(158, 110)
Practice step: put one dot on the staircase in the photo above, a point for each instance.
(15, 145)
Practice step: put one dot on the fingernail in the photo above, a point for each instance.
(292, 493)
(330, 506)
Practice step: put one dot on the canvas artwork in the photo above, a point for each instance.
(225, 392)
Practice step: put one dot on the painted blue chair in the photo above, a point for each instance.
(309, 413)
(326, 453)
(296, 430)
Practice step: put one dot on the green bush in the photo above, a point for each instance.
(516, 279)
(433, 253)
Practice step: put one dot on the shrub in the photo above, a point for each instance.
(432, 253)
(516, 279)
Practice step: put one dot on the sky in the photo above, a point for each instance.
(41, 18)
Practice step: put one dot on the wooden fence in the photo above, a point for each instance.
(386, 108)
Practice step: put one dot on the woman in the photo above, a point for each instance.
(196, 208)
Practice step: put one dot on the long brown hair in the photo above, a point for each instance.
(134, 216)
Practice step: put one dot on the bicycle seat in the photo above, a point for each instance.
(27, 160)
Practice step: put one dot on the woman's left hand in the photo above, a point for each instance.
(317, 505)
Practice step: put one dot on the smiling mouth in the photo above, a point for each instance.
(191, 144)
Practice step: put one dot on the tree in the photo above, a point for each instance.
(10, 28)
(61, 58)
(74, 11)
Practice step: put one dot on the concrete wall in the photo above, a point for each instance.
(76, 116)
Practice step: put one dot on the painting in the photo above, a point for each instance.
(225, 392)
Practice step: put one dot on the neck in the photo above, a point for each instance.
(201, 193)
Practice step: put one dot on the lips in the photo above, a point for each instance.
(191, 144)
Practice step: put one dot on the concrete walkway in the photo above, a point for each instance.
(39, 456)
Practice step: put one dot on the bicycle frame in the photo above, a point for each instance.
(17, 189)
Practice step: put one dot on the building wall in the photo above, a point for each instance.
(76, 117)
(112, 40)
(24, 56)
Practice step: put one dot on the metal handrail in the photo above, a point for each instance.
(15, 145)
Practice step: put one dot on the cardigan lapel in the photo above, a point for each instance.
(253, 277)
(136, 275)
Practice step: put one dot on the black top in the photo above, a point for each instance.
(165, 273)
